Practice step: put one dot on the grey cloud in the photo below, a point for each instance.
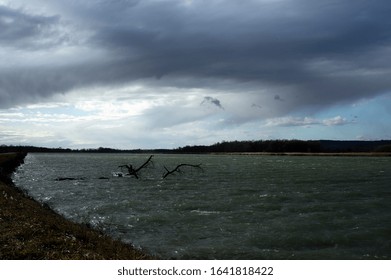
(317, 53)
(23, 31)
(277, 97)
(271, 47)
(306, 121)
(213, 101)
(171, 115)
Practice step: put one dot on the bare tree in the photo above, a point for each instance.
(134, 171)
(178, 168)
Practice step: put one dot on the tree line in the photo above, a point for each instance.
(35, 149)
(290, 146)
(266, 146)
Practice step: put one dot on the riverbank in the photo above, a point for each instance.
(30, 231)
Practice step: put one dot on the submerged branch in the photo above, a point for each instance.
(177, 168)
(134, 171)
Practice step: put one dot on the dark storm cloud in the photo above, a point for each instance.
(213, 101)
(278, 98)
(317, 53)
(21, 30)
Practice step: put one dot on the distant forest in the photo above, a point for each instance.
(266, 146)
(291, 146)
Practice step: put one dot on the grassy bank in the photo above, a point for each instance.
(30, 231)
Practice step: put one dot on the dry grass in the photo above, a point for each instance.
(30, 231)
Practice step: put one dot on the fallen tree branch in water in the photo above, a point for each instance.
(134, 172)
(177, 168)
(69, 178)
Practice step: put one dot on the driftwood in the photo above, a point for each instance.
(134, 171)
(77, 179)
(178, 168)
(68, 179)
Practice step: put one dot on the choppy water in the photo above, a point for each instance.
(239, 207)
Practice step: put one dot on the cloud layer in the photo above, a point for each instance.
(256, 59)
(316, 53)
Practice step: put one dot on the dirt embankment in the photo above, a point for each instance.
(30, 231)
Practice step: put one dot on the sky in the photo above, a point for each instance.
(132, 74)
